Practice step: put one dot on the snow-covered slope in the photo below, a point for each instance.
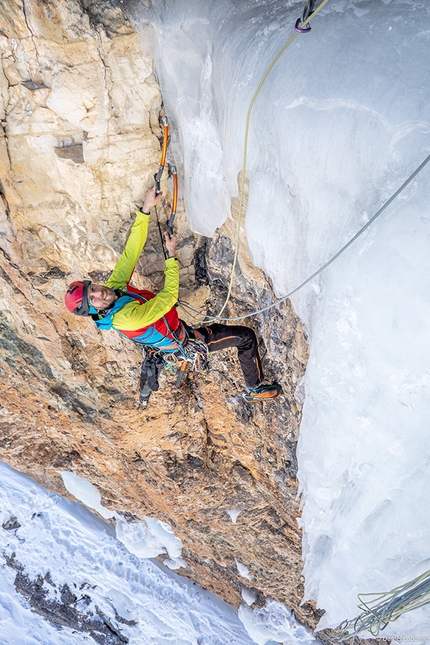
(341, 122)
(79, 584)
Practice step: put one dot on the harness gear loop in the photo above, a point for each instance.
(191, 350)
(193, 354)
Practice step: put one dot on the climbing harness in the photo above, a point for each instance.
(299, 27)
(379, 609)
(186, 305)
(193, 355)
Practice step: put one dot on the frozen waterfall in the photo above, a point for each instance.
(341, 122)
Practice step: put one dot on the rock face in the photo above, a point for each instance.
(80, 142)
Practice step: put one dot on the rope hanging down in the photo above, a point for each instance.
(383, 608)
(332, 259)
(308, 15)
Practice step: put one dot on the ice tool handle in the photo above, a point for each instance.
(157, 176)
(171, 219)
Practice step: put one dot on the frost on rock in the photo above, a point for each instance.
(234, 512)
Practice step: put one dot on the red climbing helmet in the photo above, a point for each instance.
(76, 298)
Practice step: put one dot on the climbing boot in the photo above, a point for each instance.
(144, 400)
(262, 392)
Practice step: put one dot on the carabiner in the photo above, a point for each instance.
(302, 30)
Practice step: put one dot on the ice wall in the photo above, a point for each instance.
(341, 122)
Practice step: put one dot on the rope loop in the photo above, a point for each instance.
(379, 609)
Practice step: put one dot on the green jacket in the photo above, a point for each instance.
(135, 315)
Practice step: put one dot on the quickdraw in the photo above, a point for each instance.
(192, 351)
(194, 355)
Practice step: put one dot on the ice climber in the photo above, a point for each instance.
(152, 321)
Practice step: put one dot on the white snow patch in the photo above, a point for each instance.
(85, 492)
(234, 512)
(275, 622)
(76, 547)
(145, 539)
(243, 570)
(249, 595)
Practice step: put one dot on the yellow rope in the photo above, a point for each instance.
(245, 145)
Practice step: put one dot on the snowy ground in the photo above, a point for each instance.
(90, 587)
(340, 123)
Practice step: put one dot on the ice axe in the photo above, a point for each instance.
(157, 176)
(169, 224)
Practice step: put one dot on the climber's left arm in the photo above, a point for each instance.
(136, 241)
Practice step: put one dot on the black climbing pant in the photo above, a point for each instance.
(152, 364)
(218, 337)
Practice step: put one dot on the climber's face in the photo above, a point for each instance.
(101, 297)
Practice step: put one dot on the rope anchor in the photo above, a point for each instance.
(302, 30)
(307, 14)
